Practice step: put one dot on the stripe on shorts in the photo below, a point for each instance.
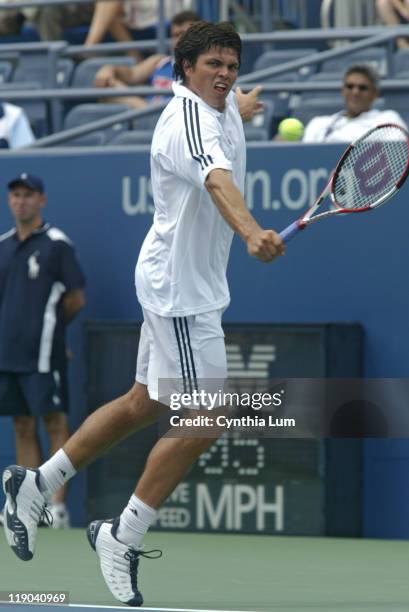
(190, 353)
(185, 354)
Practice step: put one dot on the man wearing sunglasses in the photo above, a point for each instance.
(359, 90)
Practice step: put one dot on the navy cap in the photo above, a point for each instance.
(28, 180)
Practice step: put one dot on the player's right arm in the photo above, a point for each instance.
(266, 245)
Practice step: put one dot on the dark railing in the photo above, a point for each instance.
(362, 38)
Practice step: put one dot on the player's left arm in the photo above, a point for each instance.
(73, 302)
(248, 103)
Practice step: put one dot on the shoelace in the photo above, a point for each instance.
(46, 516)
(42, 513)
(133, 555)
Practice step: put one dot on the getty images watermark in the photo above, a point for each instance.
(248, 411)
(209, 400)
(286, 408)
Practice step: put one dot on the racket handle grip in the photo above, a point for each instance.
(290, 231)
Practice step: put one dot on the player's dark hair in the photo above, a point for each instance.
(184, 17)
(366, 71)
(199, 38)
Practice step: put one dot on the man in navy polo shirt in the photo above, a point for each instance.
(41, 291)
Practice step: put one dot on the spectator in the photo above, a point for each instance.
(50, 21)
(359, 90)
(40, 293)
(157, 69)
(11, 21)
(128, 19)
(15, 130)
(393, 13)
(347, 13)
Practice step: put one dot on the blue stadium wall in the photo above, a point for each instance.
(348, 269)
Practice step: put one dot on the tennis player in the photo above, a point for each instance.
(198, 160)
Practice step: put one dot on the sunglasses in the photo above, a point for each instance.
(351, 86)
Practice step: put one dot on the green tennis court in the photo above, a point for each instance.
(226, 572)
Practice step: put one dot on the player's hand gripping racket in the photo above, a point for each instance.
(370, 171)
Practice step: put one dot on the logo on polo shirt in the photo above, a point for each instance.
(33, 265)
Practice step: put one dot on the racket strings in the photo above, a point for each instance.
(372, 168)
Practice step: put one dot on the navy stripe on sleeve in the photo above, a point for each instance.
(199, 136)
(195, 126)
(195, 157)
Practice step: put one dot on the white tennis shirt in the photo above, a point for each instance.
(181, 268)
(340, 128)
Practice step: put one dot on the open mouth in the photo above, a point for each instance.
(221, 88)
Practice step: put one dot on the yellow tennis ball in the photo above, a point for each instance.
(291, 129)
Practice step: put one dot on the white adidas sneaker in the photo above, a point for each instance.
(119, 562)
(24, 508)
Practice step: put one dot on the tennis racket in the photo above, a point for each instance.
(370, 171)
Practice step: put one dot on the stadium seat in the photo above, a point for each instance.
(133, 137)
(401, 61)
(249, 54)
(85, 113)
(6, 69)
(375, 56)
(93, 139)
(404, 74)
(282, 99)
(264, 120)
(34, 67)
(274, 58)
(255, 134)
(396, 100)
(147, 122)
(85, 72)
(310, 108)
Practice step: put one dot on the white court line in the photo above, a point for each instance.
(154, 609)
(97, 607)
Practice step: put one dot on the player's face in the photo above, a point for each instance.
(26, 204)
(359, 94)
(176, 32)
(213, 75)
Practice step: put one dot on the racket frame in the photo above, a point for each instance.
(309, 216)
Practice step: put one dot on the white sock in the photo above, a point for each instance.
(135, 521)
(55, 472)
(59, 506)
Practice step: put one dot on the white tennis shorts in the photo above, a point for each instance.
(180, 354)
